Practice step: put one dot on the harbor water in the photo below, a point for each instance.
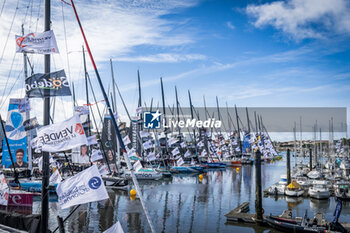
(184, 204)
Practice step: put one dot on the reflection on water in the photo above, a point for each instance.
(184, 204)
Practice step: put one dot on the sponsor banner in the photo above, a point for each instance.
(4, 191)
(25, 106)
(147, 145)
(80, 155)
(82, 110)
(62, 136)
(86, 186)
(137, 166)
(55, 177)
(15, 133)
(96, 155)
(30, 124)
(175, 151)
(180, 161)
(92, 140)
(56, 83)
(39, 43)
(109, 137)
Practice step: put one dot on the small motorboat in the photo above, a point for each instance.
(294, 189)
(319, 190)
(342, 190)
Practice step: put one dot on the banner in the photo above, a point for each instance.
(92, 140)
(176, 151)
(187, 154)
(15, 133)
(82, 110)
(30, 124)
(62, 136)
(4, 191)
(180, 161)
(39, 43)
(137, 166)
(55, 84)
(183, 144)
(96, 155)
(144, 134)
(86, 186)
(147, 145)
(55, 177)
(126, 140)
(25, 106)
(109, 137)
(172, 141)
(151, 157)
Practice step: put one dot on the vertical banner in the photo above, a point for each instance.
(15, 132)
(109, 138)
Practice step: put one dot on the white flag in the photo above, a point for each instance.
(139, 110)
(62, 136)
(183, 144)
(144, 134)
(40, 43)
(96, 155)
(103, 170)
(116, 228)
(132, 152)
(82, 110)
(204, 153)
(147, 145)
(126, 140)
(176, 151)
(92, 140)
(187, 154)
(55, 177)
(137, 166)
(172, 141)
(180, 161)
(4, 190)
(237, 149)
(200, 144)
(151, 157)
(86, 186)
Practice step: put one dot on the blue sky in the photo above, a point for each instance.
(249, 53)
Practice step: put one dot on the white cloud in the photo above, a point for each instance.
(230, 25)
(164, 58)
(302, 19)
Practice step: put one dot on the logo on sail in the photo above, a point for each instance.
(152, 120)
(79, 129)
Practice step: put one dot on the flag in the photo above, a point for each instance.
(139, 110)
(82, 110)
(55, 84)
(147, 145)
(116, 228)
(132, 152)
(180, 161)
(137, 165)
(172, 141)
(126, 140)
(39, 43)
(24, 106)
(237, 149)
(200, 144)
(92, 140)
(176, 151)
(30, 124)
(187, 154)
(204, 153)
(4, 190)
(62, 136)
(55, 177)
(183, 144)
(103, 170)
(96, 155)
(86, 186)
(144, 134)
(151, 157)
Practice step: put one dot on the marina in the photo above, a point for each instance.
(92, 143)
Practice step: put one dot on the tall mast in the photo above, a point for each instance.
(194, 129)
(113, 89)
(164, 119)
(246, 109)
(301, 138)
(295, 143)
(238, 130)
(139, 122)
(46, 163)
(88, 133)
(177, 111)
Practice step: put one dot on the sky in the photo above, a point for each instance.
(292, 53)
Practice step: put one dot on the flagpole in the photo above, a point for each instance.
(46, 162)
(114, 121)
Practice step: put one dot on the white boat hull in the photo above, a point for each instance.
(319, 194)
